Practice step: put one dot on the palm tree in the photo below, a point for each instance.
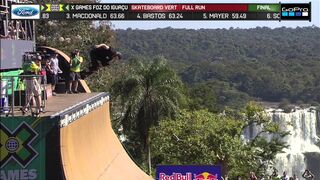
(150, 91)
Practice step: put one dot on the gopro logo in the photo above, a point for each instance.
(295, 9)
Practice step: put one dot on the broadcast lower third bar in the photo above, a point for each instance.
(207, 12)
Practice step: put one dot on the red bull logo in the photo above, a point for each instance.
(188, 172)
(188, 176)
(175, 176)
(205, 176)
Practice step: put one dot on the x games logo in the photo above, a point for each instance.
(16, 145)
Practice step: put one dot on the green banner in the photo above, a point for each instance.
(23, 148)
(6, 81)
(264, 7)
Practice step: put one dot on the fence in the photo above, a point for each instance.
(16, 92)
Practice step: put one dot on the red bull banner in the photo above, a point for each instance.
(190, 172)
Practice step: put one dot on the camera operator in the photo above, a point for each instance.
(33, 88)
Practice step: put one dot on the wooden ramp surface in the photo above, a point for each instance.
(90, 150)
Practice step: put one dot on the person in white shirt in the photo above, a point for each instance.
(54, 69)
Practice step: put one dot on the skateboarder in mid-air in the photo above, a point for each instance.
(101, 55)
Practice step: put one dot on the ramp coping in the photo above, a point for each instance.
(78, 110)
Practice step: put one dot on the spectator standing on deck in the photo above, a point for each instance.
(33, 88)
(75, 65)
(54, 69)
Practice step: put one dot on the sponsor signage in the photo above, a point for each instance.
(25, 11)
(295, 11)
(22, 148)
(190, 172)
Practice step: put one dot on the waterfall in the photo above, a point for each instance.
(303, 125)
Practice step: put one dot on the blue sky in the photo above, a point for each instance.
(216, 24)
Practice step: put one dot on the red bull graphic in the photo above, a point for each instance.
(179, 172)
(176, 176)
(205, 176)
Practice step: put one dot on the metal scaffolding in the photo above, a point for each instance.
(15, 29)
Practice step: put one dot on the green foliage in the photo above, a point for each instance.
(69, 35)
(150, 91)
(202, 137)
(259, 80)
(104, 78)
(286, 106)
(221, 44)
(254, 113)
(223, 69)
(216, 96)
(198, 137)
(270, 64)
(265, 150)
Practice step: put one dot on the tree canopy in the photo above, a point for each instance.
(202, 137)
(263, 63)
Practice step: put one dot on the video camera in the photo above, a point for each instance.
(31, 56)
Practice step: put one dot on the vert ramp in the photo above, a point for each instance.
(90, 150)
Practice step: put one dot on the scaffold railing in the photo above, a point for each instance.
(15, 29)
(16, 93)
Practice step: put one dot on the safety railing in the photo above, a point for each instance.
(20, 92)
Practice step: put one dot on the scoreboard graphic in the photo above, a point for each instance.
(263, 11)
